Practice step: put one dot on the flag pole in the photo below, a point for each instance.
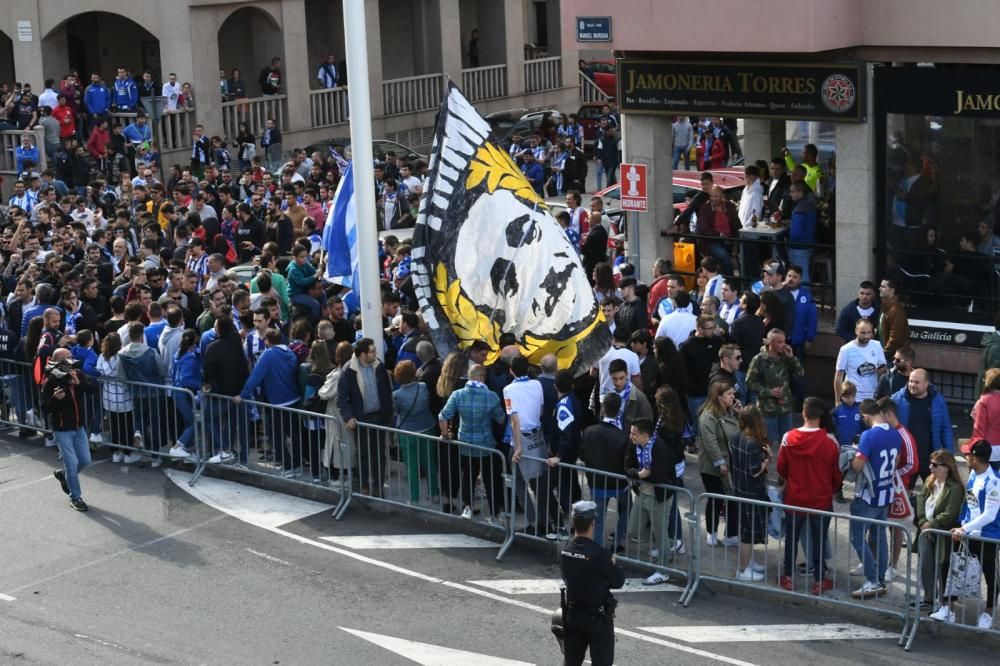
(359, 101)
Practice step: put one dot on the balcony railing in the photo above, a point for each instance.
(171, 132)
(329, 107)
(10, 140)
(543, 74)
(254, 112)
(412, 94)
(589, 91)
(481, 83)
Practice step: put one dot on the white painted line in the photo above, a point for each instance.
(7, 597)
(409, 541)
(251, 505)
(47, 477)
(547, 612)
(432, 655)
(552, 585)
(763, 633)
(123, 551)
(267, 557)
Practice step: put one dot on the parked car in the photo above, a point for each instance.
(501, 121)
(380, 147)
(732, 181)
(587, 116)
(605, 76)
(526, 125)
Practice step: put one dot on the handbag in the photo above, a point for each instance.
(900, 509)
(963, 574)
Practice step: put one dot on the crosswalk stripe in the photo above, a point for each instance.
(409, 541)
(552, 585)
(761, 633)
(427, 654)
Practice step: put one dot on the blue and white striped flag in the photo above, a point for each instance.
(340, 239)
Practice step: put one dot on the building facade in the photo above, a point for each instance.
(414, 48)
(916, 153)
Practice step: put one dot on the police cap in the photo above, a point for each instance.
(585, 509)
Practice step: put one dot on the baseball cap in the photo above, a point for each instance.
(979, 448)
(774, 268)
(585, 509)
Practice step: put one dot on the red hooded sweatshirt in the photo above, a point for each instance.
(808, 461)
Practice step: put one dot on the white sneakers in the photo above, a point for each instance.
(757, 566)
(50, 442)
(890, 574)
(944, 614)
(731, 542)
(985, 621)
(137, 440)
(467, 513)
(750, 574)
(678, 548)
(858, 570)
(131, 458)
(656, 578)
(220, 457)
(868, 590)
(712, 540)
(96, 438)
(178, 451)
(116, 457)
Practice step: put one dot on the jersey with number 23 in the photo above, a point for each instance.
(880, 446)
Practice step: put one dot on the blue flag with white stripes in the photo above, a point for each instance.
(340, 239)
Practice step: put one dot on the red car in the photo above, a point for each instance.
(604, 76)
(731, 180)
(587, 117)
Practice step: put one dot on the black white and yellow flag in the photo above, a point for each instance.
(489, 258)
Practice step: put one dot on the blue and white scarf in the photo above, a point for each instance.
(472, 383)
(624, 394)
(644, 454)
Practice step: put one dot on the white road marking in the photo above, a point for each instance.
(7, 597)
(180, 480)
(762, 633)
(267, 557)
(251, 505)
(47, 477)
(552, 585)
(110, 556)
(432, 655)
(409, 541)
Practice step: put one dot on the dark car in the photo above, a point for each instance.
(380, 147)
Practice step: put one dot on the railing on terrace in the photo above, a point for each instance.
(9, 142)
(543, 74)
(481, 83)
(412, 94)
(254, 111)
(589, 91)
(328, 106)
(171, 132)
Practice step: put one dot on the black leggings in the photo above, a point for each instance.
(713, 484)
(987, 554)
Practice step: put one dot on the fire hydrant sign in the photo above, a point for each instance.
(633, 187)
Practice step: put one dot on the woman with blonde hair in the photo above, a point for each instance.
(340, 449)
(717, 427)
(938, 507)
(986, 416)
(453, 376)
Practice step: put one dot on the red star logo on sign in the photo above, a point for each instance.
(838, 93)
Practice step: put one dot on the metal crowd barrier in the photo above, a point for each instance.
(966, 593)
(20, 403)
(632, 519)
(431, 474)
(823, 539)
(272, 441)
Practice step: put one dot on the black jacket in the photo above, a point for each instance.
(590, 575)
(575, 170)
(603, 448)
(747, 332)
(595, 248)
(351, 402)
(224, 367)
(662, 471)
(67, 413)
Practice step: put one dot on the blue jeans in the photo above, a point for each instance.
(694, 404)
(802, 258)
(75, 451)
(185, 407)
(811, 529)
(602, 499)
(309, 302)
(599, 171)
(225, 416)
(861, 533)
(720, 251)
(777, 426)
(682, 151)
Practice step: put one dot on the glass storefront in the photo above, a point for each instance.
(938, 188)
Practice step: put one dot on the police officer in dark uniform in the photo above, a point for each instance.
(588, 609)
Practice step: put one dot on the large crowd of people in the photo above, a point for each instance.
(207, 280)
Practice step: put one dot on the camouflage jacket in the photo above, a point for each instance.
(765, 374)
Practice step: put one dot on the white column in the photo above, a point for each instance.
(856, 217)
(204, 30)
(28, 55)
(296, 63)
(762, 139)
(374, 52)
(449, 22)
(513, 25)
(649, 140)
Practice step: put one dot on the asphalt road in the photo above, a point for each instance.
(235, 575)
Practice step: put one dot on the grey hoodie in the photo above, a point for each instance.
(170, 341)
